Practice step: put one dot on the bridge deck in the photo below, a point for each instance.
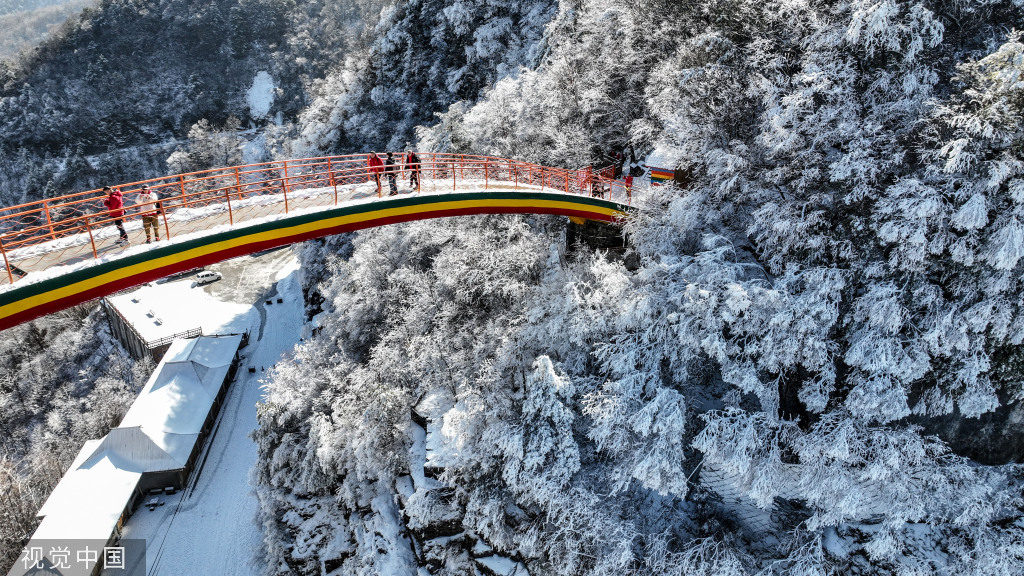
(175, 223)
(63, 251)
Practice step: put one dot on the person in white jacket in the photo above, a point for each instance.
(150, 212)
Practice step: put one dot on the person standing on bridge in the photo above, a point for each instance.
(391, 170)
(115, 207)
(412, 165)
(150, 209)
(376, 167)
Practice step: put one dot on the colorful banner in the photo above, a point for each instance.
(660, 176)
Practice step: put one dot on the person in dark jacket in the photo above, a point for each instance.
(391, 171)
(115, 206)
(376, 167)
(412, 165)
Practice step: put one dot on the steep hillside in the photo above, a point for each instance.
(126, 73)
(842, 267)
(126, 78)
(425, 56)
(23, 27)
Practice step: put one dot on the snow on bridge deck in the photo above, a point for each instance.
(66, 248)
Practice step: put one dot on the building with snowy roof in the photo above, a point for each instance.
(148, 319)
(155, 447)
(92, 499)
(88, 507)
(167, 424)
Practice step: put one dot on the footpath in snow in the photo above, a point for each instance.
(210, 527)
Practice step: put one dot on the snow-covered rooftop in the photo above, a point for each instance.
(131, 449)
(90, 498)
(173, 405)
(157, 312)
(207, 351)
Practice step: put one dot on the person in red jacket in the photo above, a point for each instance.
(412, 166)
(376, 167)
(629, 186)
(115, 205)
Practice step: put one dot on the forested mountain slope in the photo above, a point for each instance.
(122, 82)
(426, 55)
(128, 73)
(843, 268)
(23, 25)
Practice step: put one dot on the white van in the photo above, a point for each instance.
(207, 276)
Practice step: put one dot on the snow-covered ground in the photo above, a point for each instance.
(210, 527)
(260, 95)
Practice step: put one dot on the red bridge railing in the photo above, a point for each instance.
(74, 227)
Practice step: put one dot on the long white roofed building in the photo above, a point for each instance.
(155, 447)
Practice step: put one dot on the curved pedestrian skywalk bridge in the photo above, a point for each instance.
(63, 251)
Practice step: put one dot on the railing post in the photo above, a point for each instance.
(284, 181)
(515, 174)
(231, 216)
(167, 229)
(453, 175)
(46, 209)
(92, 241)
(238, 183)
(333, 180)
(486, 176)
(7, 264)
(184, 201)
(285, 188)
(566, 181)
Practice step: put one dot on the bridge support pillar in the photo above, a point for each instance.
(593, 233)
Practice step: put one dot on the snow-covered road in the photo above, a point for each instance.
(210, 527)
